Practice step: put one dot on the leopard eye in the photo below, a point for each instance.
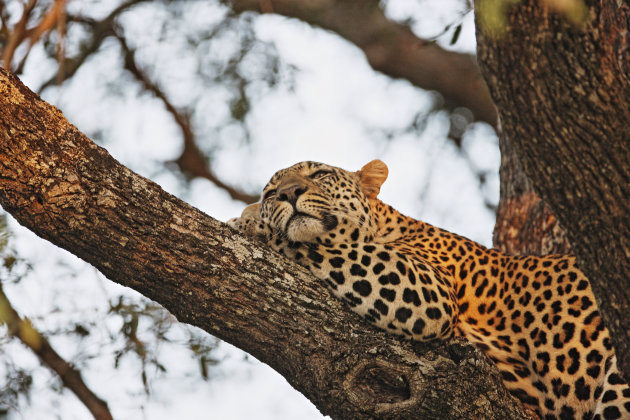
(269, 194)
(319, 174)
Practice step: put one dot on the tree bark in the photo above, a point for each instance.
(525, 224)
(66, 189)
(563, 94)
(392, 48)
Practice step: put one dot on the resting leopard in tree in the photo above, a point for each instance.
(535, 317)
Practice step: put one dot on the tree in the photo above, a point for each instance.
(570, 129)
(515, 192)
(72, 193)
(96, 31)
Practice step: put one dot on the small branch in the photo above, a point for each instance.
(48, 22)
(71, 378)
(54, 17)
(61, 46)
(192, 160)
(101, 30)
(18, 35)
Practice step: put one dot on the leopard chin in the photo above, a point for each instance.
(304, 228)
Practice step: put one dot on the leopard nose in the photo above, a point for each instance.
(291, 193)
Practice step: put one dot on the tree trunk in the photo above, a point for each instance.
(525, 224)
(563, 94)
(69, 191)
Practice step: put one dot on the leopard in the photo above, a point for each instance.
(535, 317)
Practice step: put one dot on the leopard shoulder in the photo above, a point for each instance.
(535, 317)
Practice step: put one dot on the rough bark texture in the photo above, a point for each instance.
(563, 94)
(525, 224)
(392, 49)
(59, 184)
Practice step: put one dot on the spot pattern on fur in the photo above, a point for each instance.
(535, 317)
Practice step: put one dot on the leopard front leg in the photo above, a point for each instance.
(395, 290)
(392, 289)
(250, 224)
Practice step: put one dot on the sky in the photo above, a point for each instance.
(335, 111)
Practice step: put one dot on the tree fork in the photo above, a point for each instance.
(71, 192)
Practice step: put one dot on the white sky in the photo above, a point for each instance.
(334, 114)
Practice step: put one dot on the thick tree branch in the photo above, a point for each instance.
(563, 98)
(392, 49)
(71, 378)
(71, 192)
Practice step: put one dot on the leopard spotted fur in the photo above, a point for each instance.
(535, 317)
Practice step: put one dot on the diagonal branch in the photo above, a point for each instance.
(55, 16)
(18, 35)
(392, 49)
(71, 378)
(100, 31)
(47, 23)
(65, 188)
(192, 161)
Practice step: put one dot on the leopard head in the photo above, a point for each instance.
(315, 202)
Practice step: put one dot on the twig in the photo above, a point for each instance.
(192, 160)
(101, 30)
(47, 22)
(18, 34)
(71, 378)
(54, 17)
(61, 46)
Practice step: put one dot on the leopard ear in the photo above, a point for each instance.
(372, 176)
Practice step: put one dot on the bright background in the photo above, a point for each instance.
(328, 106)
